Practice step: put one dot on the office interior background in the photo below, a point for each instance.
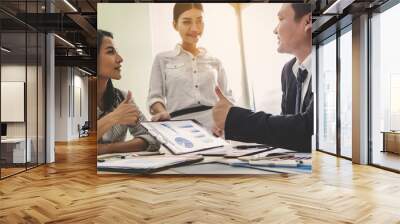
(48, 84)
(52, 57)
(47, 80)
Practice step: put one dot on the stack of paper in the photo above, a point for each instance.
(277, 160)
(146, 163)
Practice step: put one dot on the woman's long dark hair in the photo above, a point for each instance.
(109, 93)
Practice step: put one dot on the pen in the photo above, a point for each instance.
(147, 153)
(250, 146)
(102, 157)
(276, 156)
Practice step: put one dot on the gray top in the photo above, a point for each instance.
(118, 132)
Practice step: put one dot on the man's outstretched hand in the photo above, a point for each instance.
(221, 109)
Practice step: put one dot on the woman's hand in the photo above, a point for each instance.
(126, 113)
(161, 116)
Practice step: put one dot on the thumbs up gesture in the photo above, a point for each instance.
(221, 109)
(126, 113)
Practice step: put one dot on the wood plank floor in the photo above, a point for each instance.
(70, 191)
(387, 159)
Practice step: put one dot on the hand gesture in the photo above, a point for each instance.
(126, 113)
(217, 131)
(221, 109)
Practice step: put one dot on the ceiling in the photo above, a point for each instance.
(333, 15)
(74, 21)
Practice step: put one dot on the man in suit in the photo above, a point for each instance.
(293, 128)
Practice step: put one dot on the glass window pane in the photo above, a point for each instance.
(31, 97)
(31, 86)
(346, 94)
(13, 84)
(385, 84)
(23, 86)
(41, 98)
(327, 97)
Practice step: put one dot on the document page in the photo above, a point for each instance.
(183, 136)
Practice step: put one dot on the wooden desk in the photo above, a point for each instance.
(391, 141)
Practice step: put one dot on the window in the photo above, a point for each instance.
(22, 73)
(385, 84)
(394, 101)
(327, 96)
(346, 93)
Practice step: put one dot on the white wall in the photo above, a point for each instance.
(61, 103)
(67, 115)
(263, 63)
(84, 85)
(80, 101)
(130, 25)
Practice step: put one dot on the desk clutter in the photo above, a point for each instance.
(275, 160)
(188, 148)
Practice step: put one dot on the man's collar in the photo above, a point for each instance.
(305, 65)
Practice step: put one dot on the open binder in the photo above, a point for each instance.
(146, 164)
(183, 136)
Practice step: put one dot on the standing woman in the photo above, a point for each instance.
(116, 111)
(183, 81)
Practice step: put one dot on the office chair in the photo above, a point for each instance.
(84, 130)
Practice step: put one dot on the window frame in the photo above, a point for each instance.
(333, 37)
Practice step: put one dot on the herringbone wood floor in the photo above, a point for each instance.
(69, 191)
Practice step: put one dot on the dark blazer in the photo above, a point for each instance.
(288, 130)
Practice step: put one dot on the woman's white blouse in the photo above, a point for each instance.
(180, 80)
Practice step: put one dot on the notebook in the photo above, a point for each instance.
(146, 164)
(183, 136)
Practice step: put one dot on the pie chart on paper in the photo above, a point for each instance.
(184, 142)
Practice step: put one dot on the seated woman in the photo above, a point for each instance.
(116, 111)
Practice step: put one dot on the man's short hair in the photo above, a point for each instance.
(300, 10)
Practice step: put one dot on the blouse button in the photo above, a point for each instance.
(196, 86)
(194, 71)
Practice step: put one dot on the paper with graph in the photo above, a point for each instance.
(183, 136)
